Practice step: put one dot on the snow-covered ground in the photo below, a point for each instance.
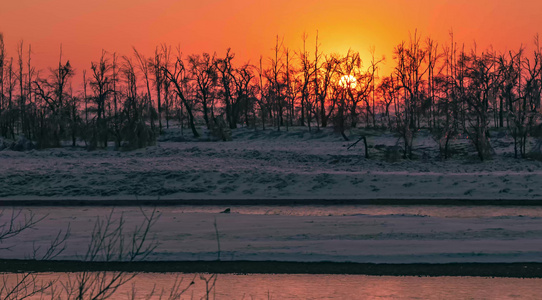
(373, 236)
(292, 164)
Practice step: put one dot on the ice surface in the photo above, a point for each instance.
(371, 238)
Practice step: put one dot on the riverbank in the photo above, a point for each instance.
(260, 165)
(516, 270)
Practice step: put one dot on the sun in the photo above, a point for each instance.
(348, 81)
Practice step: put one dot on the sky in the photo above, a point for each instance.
(250, 28)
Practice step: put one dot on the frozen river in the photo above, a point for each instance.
(363, 234)
(347, 233)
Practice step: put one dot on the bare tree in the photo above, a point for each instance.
(134, 132)
(410, 72)
(450, 88)
(109, 242)
(307, 73)
(520, 88)
(203, 70)
(276, 84)
(158, 81)
(484, 80)
(387, 90)
(532, 95)
(11, 116)
(145, 68)
(27, 284)
(178, 78)
(262, 99)
(244, 90)
(226, 71)
(102, 85)
(166, 53)
(433, 57)
(364, 86)
(21, 79)
(2, 83)
(290, 88)
(53, 92)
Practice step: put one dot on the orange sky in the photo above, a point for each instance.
(250, 27)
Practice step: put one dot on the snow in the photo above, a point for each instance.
(371, 237)
(292, 164)
(270, 165)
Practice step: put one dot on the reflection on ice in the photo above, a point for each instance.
(236, 286)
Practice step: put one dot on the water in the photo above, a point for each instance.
(370, 287)
(230, 286)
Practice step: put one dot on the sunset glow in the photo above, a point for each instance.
(348, 81)
(250, 28)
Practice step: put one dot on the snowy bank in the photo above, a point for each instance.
(292, 164)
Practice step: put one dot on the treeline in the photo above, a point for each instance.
(128, 100)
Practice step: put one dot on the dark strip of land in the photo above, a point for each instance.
(520, 270)
(270, 202)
